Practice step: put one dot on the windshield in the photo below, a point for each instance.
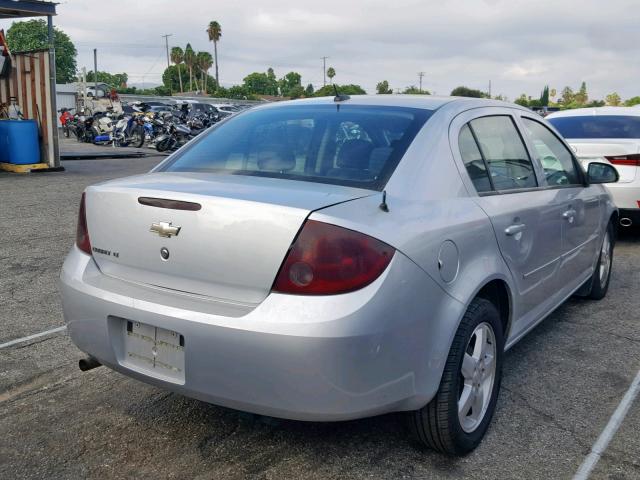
(340, 144)
(598, 126)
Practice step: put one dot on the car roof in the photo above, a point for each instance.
(427, 102)
(583, 112)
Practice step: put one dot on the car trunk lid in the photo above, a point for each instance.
(225, 235)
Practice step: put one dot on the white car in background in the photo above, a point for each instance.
(608, 135)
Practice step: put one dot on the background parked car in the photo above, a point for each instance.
(610, 135)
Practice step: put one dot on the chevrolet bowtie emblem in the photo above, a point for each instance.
(164, 229)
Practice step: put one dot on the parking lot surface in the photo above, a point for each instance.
(561, 384)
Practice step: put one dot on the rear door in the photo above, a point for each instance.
(580, 203)
(526, 220)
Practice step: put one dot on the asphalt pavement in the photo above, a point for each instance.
(561, 385)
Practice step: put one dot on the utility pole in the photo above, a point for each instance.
(166, 44)
(420, 75)
(95, 73)
(489, 88)
(324, 71)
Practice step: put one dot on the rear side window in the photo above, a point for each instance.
(557, 161)
(342, 144)
(598, 126)
(473, 161)
(504, 153)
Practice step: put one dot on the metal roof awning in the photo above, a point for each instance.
(26, 8)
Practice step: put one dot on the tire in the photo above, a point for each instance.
(137, 137)
(163, 145)
(439, 425)
(602, 273)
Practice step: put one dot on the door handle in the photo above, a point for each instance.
(514, 229)
(569, 214)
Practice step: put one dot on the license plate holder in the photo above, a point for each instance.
(154, 351)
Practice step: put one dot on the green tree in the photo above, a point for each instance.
(290, 81)
(33, 35)
(296, 92)
(632, 101)
(214, 32)
(272, 88)
(116, 80)
(205, 62)
(413, 90)
(190, 62)
(382, 88)
(613, 99)
(567, 96)
(522, 100)
(581, 97)
(257, 82)
(308, 92)
(350, 89)
(467, 92)
(172, 75)
(177, 57)
(544, 96)
(331, 72)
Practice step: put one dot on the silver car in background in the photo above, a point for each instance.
(338, 258)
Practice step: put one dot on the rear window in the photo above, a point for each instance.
(598, 126)
(340, 144)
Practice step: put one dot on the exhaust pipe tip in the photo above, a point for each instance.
(626, 222)
(88, 363)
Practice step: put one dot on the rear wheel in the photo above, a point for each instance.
(602, 272)
(457, 418)
(137, 137)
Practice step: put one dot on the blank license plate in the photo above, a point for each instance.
(154, 350)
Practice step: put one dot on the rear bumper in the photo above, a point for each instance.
(373, 351)
(626, 195)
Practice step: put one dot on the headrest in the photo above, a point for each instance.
(354, 154)
(277, 158)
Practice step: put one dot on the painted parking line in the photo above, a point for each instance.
(609, 431)
(31, 337)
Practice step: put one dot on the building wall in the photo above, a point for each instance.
(29, 83)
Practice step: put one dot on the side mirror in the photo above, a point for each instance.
(602, 173)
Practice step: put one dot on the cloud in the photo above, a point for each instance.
(518, 45)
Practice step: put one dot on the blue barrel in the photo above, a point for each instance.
(20, 141)
(4, 147)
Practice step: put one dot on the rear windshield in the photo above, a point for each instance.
(341, 144)
(598, 126)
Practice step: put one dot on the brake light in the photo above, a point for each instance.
(82, 233)
(632, 160)
(326, 260)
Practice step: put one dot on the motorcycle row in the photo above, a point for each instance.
(137, 126)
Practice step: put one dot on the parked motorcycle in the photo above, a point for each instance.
(66, 119)
(128, 132)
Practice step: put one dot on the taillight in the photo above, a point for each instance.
(632, 160)
(82, 233)
(326, 259)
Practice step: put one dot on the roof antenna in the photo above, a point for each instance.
(383, 206)
(338, 97)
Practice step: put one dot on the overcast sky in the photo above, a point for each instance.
(518, 45)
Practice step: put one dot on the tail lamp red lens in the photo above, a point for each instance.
(632, 160)
(82, 233)
(326, 259)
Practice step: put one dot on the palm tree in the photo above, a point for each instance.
(215, 32)
(189, 61)
(204, 62)
(177, 57)
(331, 73)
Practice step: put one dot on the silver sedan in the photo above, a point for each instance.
(338, 258)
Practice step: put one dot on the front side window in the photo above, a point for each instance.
(342, 144)
(504, 152)
(556, 159)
